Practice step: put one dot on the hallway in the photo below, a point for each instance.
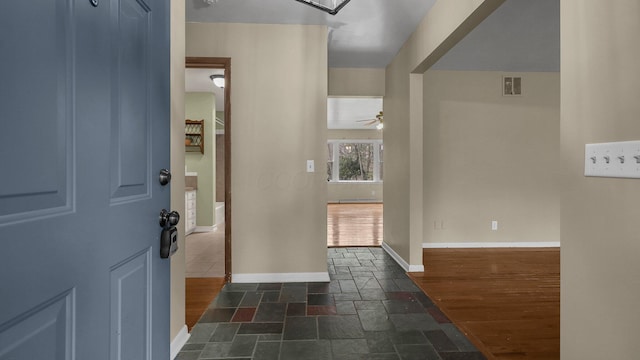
(369, 310)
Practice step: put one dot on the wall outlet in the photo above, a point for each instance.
(494, 225)
(438, 225)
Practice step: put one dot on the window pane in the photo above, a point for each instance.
(330, 162)
(381, 161)
(356, 161)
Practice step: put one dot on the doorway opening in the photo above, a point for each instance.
(208, 181)
(354, 171)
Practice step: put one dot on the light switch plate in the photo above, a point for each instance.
(617, 159)
(310, 166)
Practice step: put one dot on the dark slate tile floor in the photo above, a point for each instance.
(369, 310)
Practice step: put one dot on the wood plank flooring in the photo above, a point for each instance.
(200, 292)
(507, 301)
(354, 225)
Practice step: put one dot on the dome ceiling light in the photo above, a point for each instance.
(218, 80)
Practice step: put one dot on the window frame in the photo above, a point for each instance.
(335, 169)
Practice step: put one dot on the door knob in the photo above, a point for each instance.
(169, 219)
(165, 177)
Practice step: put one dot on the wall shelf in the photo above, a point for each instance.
(194, 136)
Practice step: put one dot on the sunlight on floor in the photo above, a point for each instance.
(205, 254)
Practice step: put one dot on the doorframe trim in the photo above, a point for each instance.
(222, 63)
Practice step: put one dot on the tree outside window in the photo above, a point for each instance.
(354, 160)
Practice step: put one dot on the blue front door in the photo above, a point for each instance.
(84, 109)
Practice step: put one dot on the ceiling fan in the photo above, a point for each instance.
(378, 121)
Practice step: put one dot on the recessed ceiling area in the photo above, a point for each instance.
(199, 80)
(352, 112)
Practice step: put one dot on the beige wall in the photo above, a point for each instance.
(177, 162)
(446, 23)
(278, 209)
(600, 291)
(366, 134)
(491, 157)
(356, 82)
(354, 134)
(348, 192)
(396, 165)
(202, 106)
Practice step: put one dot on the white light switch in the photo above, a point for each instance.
(494, 225)
(618, 159)
(310, 166)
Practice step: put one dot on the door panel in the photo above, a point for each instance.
(26, 196)
(85, 131)
(131, 308)
(130, 119)
(41, 333)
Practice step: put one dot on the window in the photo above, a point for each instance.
(354, 160)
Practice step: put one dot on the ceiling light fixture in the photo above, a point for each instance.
(218, 80)
(330, 6)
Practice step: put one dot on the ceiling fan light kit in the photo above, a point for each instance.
(378, 121)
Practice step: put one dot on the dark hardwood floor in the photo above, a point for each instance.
(354, 225)
(199, 294)
(507, 301)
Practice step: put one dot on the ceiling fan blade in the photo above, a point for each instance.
(365, 120)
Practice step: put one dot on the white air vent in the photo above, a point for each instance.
(511, 86)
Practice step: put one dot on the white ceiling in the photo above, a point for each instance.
(344, 112)
(198, 80)
(365, 33)
(522, 35)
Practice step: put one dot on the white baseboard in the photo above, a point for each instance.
(179, 341)
(403, 264)
(281, 277)
(548, 244)
(202, 229)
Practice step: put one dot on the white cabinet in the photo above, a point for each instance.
(190, 211)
